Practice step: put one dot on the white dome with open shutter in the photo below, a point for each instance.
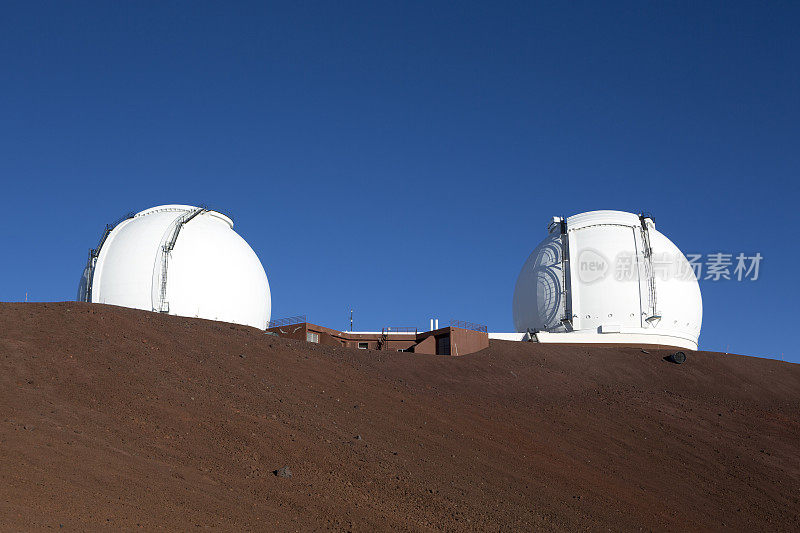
(181, 260)
(608, 277)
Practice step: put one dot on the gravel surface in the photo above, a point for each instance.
(115, 418)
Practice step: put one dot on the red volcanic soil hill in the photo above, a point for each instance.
(115, 418)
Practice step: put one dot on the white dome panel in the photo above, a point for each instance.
(602, 298)
(619, 276)
(538, 304)
(183, 260)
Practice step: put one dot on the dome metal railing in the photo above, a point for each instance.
(469, 325)
(287, 321)
(399, 329)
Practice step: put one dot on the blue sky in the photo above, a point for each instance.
(403, 158)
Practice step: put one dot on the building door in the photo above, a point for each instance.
(443, 345)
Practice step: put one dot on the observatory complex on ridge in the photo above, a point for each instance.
(604, 277)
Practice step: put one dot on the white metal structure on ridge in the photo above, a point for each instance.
(182, 260)
(608, 277)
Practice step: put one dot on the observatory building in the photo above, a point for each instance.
(608, 277)
(181, 260)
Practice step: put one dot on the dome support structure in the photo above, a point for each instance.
(87, 280)
(171, 236)
(566, 320)
(653, 316)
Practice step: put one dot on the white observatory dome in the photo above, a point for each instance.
(608, 277)
(180, 260)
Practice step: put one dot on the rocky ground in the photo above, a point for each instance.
(115, 418)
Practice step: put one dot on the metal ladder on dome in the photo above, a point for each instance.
(166, 249)
(653, 316)
(566, 287)
(94, 255)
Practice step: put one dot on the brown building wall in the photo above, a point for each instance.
(464, 341)
(294, 331)
(426, 346)
(398, 345)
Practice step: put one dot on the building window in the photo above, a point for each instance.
(312, 337)
(363, 345)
